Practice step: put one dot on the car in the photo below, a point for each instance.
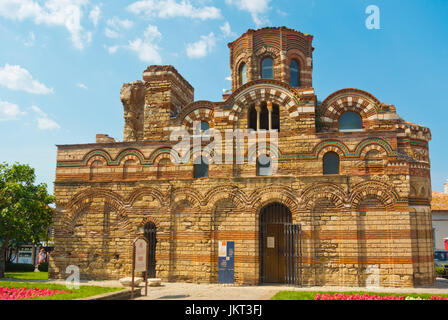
(441, 262)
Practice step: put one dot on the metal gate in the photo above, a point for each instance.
(150, 234)
(293, 254)
(280, 246)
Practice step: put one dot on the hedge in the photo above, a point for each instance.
(43, 266)
(19, 267)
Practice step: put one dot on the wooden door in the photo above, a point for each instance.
(274, 260)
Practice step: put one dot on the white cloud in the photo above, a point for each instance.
(43, 122)
(82, 86)
(47, 124)
(202, 47)
(30, 41)
(18, 78)
(38, 111)
(64, 13)
(146, 47)
(9, 111)
(173, 8)
(115, 26)
(255, 7)
(229, 78)
(95, 15)
(226, 30)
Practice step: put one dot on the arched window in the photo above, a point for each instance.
(331, 163)
(252, 118)
(200, 167)
(242, 74)
(264, 116)
(350, 121)
(275, 117)
(263, 165)
(201, 127)
(373, 161)
(267, 68)
(162, 168)
(294, 73)
(94, 169)
(129, 167)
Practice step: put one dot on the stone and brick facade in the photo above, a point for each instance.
(374, 212)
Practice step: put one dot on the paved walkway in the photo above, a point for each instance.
(190, 291)
(193, 291)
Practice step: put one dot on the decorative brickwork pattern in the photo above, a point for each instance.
(374, 213)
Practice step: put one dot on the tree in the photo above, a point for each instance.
(25, 214)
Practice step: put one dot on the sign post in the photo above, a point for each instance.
(140, 253)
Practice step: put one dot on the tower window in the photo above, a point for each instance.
(294, 74)
(200, 167)
(267, 68)
(350, 121)
(243, 74)
(263, 165)
(201, 127)
(331, 163)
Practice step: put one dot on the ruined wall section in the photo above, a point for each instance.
(150, 104)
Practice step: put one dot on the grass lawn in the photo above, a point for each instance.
(27, 275)
(82, 292)
(309, 295)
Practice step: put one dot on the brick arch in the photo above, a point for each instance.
(94, 159)
(187, 194)
(264, 92)
(331, 146)
(155, 193)
(275, 193)
(150, 219)
(242, 58)
(224, 192)
(127, 154)
(349, 100)
(271, 150)
(190, 108)
(383, 192)
(204, 152)
(162, 153)
(104, 157)
(378, 144)
(332, 192)
(199, 114)
(82, 201)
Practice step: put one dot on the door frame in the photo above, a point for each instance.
(271, 213)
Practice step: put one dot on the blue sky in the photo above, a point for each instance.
(63, 62)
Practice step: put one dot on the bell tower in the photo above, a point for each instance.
(276, 53)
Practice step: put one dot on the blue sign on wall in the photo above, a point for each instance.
(226, 261)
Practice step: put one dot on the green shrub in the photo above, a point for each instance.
(19, 267)
(43, 266)
(440, 271)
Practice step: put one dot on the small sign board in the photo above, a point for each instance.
(271, 242)
(140, 253)
(222, 249)
(141, 247)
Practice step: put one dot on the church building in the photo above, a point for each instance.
(337, 193)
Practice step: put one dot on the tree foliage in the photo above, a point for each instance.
(25, 214)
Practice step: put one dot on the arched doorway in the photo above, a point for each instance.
(273, 218)
(150, 234)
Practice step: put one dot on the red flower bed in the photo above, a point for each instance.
(341, 296)
(24, 293)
